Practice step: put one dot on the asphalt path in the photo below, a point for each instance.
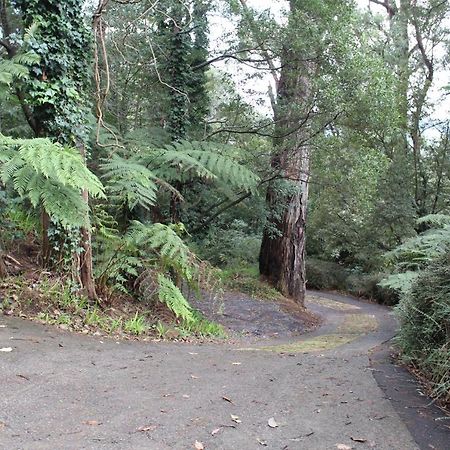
(60, 390)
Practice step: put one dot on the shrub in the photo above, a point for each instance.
(325, 275)
(367, 286)
(233, 246)
(424, 336)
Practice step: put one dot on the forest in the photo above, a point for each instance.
(155, 151)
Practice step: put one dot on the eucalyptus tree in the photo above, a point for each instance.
(416, 38)
(301, 55)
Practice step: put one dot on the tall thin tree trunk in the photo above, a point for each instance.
(46, 247)
(3, 269)
(85, 269)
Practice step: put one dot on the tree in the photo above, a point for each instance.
(305, 56)
(56, 98)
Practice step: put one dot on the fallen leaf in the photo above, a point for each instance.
(92, 422)
(355, 439)
(271, 422)
(343, 447)
(23, 376)
(147, 428)
(215, 431)
(227, 399)
(6, 349)
(199, 445)
(235, 418)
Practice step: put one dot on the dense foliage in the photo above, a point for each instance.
(192, 156)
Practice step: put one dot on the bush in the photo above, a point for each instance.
(367, 286)
(424, 336)
(325, 275)
(233, 246)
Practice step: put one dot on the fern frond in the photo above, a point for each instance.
(49, 175)
(437, 220)
(173, 253)
(170, 295)
(130, 182)
(205, 160)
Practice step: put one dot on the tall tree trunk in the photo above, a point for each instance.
(65, 118)
(282, 257)
(282, 254)
(85, 262)
(46, 247)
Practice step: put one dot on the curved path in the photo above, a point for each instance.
(65, 391)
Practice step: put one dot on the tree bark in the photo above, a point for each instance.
(85, 262)
(3, 270)
(282, 254)
(46, 247)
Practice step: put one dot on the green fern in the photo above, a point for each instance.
(49, 175)
(171, 295)
(129, 182)
(186, 160)
(415, 254)
(135, 178)
(163, 240)
(16, 68)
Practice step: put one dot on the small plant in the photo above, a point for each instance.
(45, 317)
(63, 319)
(161, 329)
(202, 327)
(93, 317)
(136, 325)
(115, 324)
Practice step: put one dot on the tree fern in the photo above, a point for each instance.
(163, 240)
(204, 160)
(16, 67)
(129, 181)
(50, 175)
(153, 255)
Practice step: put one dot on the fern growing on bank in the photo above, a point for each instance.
(49, 175)
(154, 257)
(171, 295)
(422, 276)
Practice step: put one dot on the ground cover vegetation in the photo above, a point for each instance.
(154, 151)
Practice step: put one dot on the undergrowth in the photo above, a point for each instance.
(424, 336)
(246, 279)
(55, 301)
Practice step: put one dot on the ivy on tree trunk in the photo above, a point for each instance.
(58, 94)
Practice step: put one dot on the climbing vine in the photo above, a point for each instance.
(59, 85)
